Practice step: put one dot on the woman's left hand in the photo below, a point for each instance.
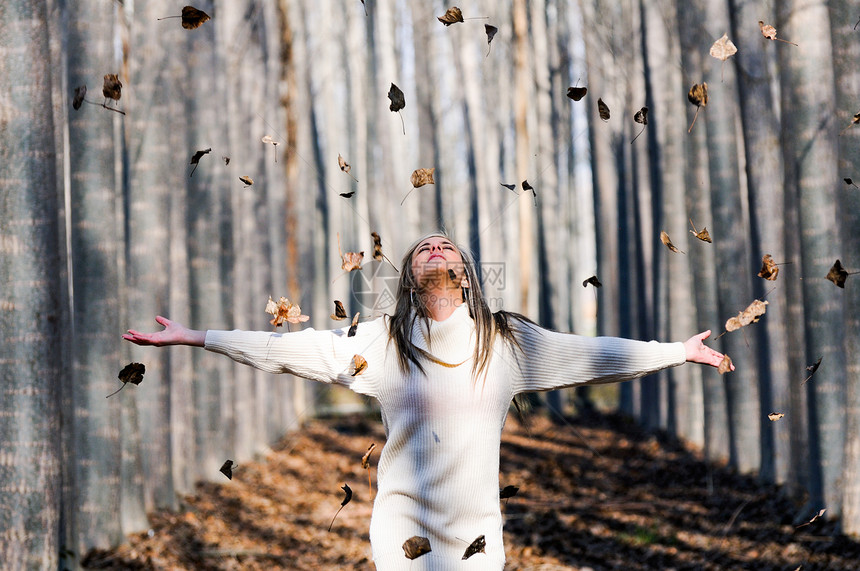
(698, 352)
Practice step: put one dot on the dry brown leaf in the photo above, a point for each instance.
(812, 368)
(354, 327)
(723, 48)
(195, 159)
(838, 274)
(451, 16)
(80, 94)
(725, 365)
(227, 469)
(476, 546)
(359, 364)
(131, 373)
(193, 18)
(349, 260)
(284, 311)
(769, 32)
(593, 281)
(416, 546)
(247, 180)
(419, 178)
(576, 93)
(815, 517)
(365, 460)
(854, 121)
(347, 491)
(345, 167)
(704, 235)
(668, 243)
(769, 269)
(640, 117)
(112, 88)
(850, 182)
(698, 96)
(377, 247)
(339, 311)
(602, 110)
(750, 315)
(774, 416)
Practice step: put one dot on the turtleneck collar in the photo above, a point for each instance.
(452, 341)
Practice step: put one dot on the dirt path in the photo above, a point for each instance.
(594, 495)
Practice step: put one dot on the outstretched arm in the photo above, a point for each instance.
(698, 352)
(173, 334)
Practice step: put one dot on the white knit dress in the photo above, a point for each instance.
(438, 473)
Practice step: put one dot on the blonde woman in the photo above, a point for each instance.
(444, 370)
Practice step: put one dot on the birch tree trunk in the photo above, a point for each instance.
(808, 111)
(33, 297)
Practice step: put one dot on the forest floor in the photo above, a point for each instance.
(596, 493)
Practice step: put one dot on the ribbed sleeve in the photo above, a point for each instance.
(325, 356)
(551, 360)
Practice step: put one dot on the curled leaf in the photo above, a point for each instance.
(377, 247)
(749, 315)
(398, 100)
(668, 243)
(354, 327)
(476, 546)
(359, 364)
(854, 121)
(769, 32)
(491, 33)
(812, 368)
(640, 117)
(725, 365)
(131, 373)
(451, 16)
(849, 181)
(195, 159)
(774, 416)
(602, 110)
(508, 492)
(838, 274)
(511, 187)
(344, 166)
(193, 18)
(419, 178)
(698, 96)
(704, 235)
(347, 194)
(526, 186)
(247, 180)
(347, 497)
(269, 140)
(112, 88)
(576, 93)
(416, 546)
(815, 517)
(769, 269)
(365, 460)
(227, 469)
(80, 94)
(285, 311)
(339, 311)
(593, 281)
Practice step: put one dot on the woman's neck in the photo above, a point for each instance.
(440, 304)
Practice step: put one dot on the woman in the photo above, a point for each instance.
(444, 370)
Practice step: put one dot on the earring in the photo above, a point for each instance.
(464, 291)
(412, 297)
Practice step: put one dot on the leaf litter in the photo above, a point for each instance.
(589, 508)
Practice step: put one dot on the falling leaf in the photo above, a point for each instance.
(339, 311)
(815, 517)
(227, 469)
(196, 159)
(112, 88)
(377, 246)
(704, 235)
(416, 546)
(398, 100)
(698, 96)
(347, 194)
(854, 121)
(359, 364)
(247, 180)
(419, 178)
(668, 243)
(345, 167)
(725, 365)
(640, 117)
(365, 460)
(491, 33)
(226, 160)
(193, 18)
(80, 94)
(349, 260)
(723, 48)
(602, 109)
(508, 492)
(593, 281)
(285, 311)
(774, 416)
(750, 315)
(526, 186)
(850, 182)
(838, 274)
(511, 187)
(452, 16)
(354, 327)
(769, 269)
(576, 93)
(812, 368)
(769, 32)
(131, 373)
(347, 497)
(476, 546)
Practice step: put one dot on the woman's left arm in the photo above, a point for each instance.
(551, 360)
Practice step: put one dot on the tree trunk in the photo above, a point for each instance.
(33, 298)
(808, 111)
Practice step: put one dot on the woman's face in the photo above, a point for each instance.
(431, 262)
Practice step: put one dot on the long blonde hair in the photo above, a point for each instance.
(409, 308)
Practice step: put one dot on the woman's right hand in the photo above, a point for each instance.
(173, 334)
